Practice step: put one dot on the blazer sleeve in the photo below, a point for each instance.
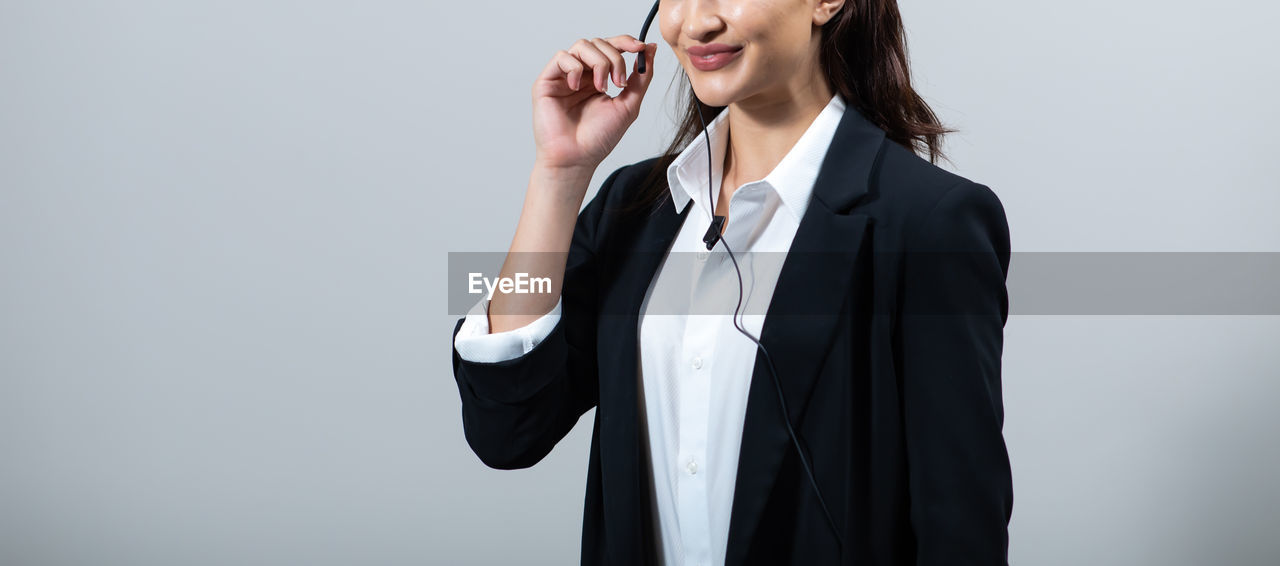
(955, 305)
(515, 411)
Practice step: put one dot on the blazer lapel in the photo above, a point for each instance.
(625, 480)
(801, 318)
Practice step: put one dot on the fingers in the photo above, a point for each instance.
(598, 57)
(590, 55)
(566, 65)
(627, 44)
(604, 58)
(617, 67)
(638, 83)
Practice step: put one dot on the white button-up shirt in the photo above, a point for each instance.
(695, 367)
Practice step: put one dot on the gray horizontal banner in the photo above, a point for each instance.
(1038, 283)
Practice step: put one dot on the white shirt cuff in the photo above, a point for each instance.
(474, 343)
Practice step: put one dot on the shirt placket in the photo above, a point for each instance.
(696, 368)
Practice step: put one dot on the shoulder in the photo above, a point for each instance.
(621, 206)
(634, 180)
(627, 184)
(917, 203)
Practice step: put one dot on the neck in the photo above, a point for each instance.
(762, 129)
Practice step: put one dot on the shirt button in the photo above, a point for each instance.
(702, 256)
(697, 362)
(692, 467)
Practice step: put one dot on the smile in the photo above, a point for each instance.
(715, 60)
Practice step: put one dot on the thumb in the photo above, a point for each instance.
(638, 83)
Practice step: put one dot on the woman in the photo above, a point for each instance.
(845, 407)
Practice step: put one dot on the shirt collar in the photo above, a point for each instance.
(792, 179)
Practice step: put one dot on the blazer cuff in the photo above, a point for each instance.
(474, 343)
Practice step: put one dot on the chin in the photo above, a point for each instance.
(715, 100)
(712, 93)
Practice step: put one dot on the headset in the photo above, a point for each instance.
(711, 238)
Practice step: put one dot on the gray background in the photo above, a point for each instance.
(224, 228)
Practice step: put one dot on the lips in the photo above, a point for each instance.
(713, 56)
(712, 49)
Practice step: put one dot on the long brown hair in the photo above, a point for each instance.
(864, 57)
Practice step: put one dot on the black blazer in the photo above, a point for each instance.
(893, 385)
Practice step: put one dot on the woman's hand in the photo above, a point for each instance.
(575, 121)
(575, 124)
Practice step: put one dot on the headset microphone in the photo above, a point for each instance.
(644, 30)
(711, 238)
(713, 232)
